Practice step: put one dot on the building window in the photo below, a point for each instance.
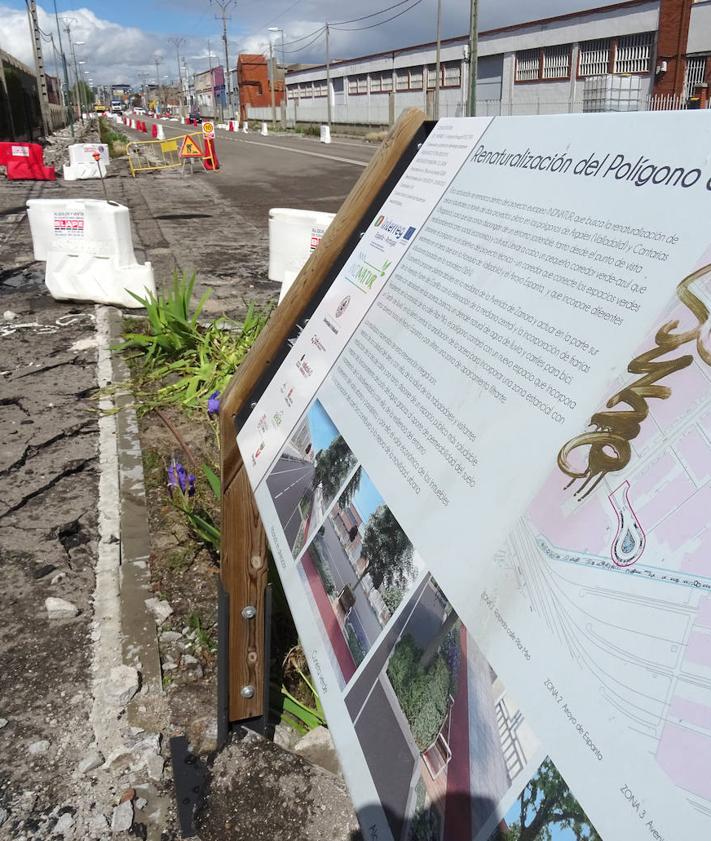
(556, 62)
(320, 88)
(528, 65)
(358, 84)
(381, 82)
(452, 74)
(695, 74)
(432, 76)
(594, 58)
(415, 78)
(634, 53)
(402, 80)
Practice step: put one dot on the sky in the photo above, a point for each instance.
(122, 39)
(322, 428)
(366, 499)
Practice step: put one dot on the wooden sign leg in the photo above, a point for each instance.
(244, 544)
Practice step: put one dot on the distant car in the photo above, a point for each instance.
(139, 110)
(195, 117)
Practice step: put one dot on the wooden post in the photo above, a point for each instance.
(244, 544)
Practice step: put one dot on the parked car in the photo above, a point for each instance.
(195, 116)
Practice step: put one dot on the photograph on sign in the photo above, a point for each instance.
(546, 808)
(358, 568)
(443, 739)
(521, 382)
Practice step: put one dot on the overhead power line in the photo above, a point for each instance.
(379, 23)
(304, 37)
(306, 46)
(372, 14)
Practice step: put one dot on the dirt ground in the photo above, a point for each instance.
(52, 785)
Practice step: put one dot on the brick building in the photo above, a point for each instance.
(254, 85)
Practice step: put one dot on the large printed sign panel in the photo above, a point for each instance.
(484, 471)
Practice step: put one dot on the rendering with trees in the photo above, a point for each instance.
(547, 810)
(360, 562)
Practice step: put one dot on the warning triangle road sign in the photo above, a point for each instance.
(190, 148)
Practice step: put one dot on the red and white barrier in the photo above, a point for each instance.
(231, 125)
(293, 235)
(83, 164)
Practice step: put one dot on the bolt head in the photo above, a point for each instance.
(247, 691)
(249, 612)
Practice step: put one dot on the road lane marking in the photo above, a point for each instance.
(299, 151)
(289, 488)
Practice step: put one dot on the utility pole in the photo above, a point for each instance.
(328, 76)
(271, 81)
(283, 64)
(473, 55)
(77, 98)
(70, 114)
(438, 62)
(6, 99)
(177, 42)
(224, 5)
(39, 65)
(157, 60)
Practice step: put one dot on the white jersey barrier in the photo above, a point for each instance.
(82, 164)
(88, 247)
(264, 130)
(245, 127)
(293, 235)
(325, 134)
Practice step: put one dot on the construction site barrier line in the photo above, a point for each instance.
(168, 146)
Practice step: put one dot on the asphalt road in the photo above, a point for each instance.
(283, 170)
(343, 573)
(287, 483)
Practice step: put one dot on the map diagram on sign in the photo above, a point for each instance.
(622, 578)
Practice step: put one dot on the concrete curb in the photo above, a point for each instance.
(140, 640)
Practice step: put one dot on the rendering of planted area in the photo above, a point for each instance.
(443, 739)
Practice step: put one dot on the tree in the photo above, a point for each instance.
(350, 490)
(387, 551)
(83, 94)
(548, 803)
(332, 466)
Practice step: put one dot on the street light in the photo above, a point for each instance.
(283, 64)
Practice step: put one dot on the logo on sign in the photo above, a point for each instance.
(20, 151)
(343, 306)
(395, 229)
(208, 130)
(69, 224)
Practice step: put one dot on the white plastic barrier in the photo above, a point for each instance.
(82, 164)
(245, 127)
(160, 132)
(264, 130)
(325, 134)
(293, 235)
(88, 247)
(82, 171)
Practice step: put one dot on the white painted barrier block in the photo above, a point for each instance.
(245, 127)
(293, 235)
(89, 250)
(83, 171)
(160, 132)
(325, 134)
(81, 277)
(83, 153)
(264, 130)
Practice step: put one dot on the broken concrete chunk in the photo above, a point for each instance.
(37, 748)
(60, 608)
(122, 818)
(65, 825)
(90, 762)
(123, 684)
(160, 610)
(170, 636)
(154, 765)
(317, 746)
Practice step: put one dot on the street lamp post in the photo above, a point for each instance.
(271, 81)
(473, 55)
(283, 64)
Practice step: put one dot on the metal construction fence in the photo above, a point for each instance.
(154, 155)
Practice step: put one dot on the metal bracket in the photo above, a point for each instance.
(189, 778)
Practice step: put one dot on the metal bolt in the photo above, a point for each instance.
(247, 691)
(249, 612)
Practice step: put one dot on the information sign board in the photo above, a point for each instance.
(484, 473)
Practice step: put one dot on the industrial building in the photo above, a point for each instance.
(631, 55)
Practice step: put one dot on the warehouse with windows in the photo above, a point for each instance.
(632, 55)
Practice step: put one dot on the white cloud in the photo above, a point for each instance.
(116, 53)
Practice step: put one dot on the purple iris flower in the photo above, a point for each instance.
(180, 479)
(213, 403)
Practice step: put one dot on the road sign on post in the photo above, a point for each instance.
(478, 557)
(208, 130)
(190, 148)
